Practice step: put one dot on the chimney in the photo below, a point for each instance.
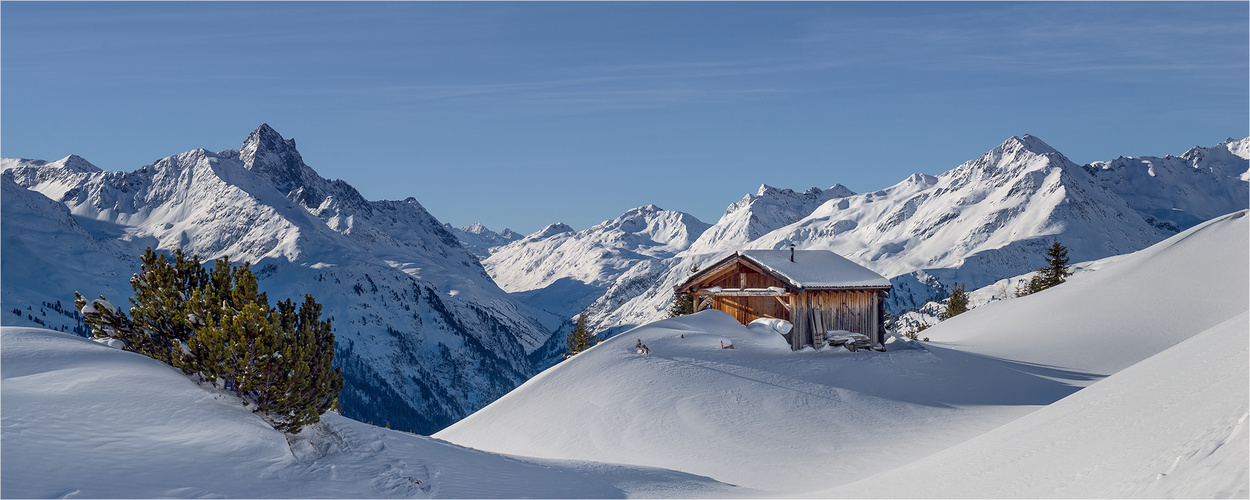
(792, 252)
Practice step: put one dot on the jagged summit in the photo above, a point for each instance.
(268, 154)
(835, 191)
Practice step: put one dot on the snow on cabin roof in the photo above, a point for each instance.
(815, 269)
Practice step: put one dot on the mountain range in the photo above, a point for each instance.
(987, 219)
(434, 322)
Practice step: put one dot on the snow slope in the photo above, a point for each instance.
(33, 276)
(1153, 298)
(82, 420)
(763, 417)
(1172, 426)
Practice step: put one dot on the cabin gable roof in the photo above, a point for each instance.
(810, 270)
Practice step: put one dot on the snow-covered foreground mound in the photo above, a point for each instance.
(83, 420)
(763, 417)
(1172, 426)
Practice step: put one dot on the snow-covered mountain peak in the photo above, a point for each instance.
(1034, 144)
(266, 152)
(1239, 147)
(480, 240)
(637, 213)
(475, 228)
(72, 163)
(276, 159)
(551, 230)
(755, 215)
(1025, 147)
(836, 191)
(920, 179)
(651, 226)
(1009, 162)
(1226, 159)
(75, 163)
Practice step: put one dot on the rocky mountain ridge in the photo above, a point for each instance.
(424, 335)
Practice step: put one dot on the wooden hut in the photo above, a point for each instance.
(817, 290)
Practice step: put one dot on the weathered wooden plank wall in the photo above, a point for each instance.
(819, 311)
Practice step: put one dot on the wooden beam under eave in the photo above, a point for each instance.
(737, 292)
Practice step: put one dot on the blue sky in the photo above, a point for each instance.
(523, 114)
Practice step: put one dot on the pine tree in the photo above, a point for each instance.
(958, 303)
(157, 323)
(683, 303)
(579, 338)
(219, 325)
(1055, 272)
